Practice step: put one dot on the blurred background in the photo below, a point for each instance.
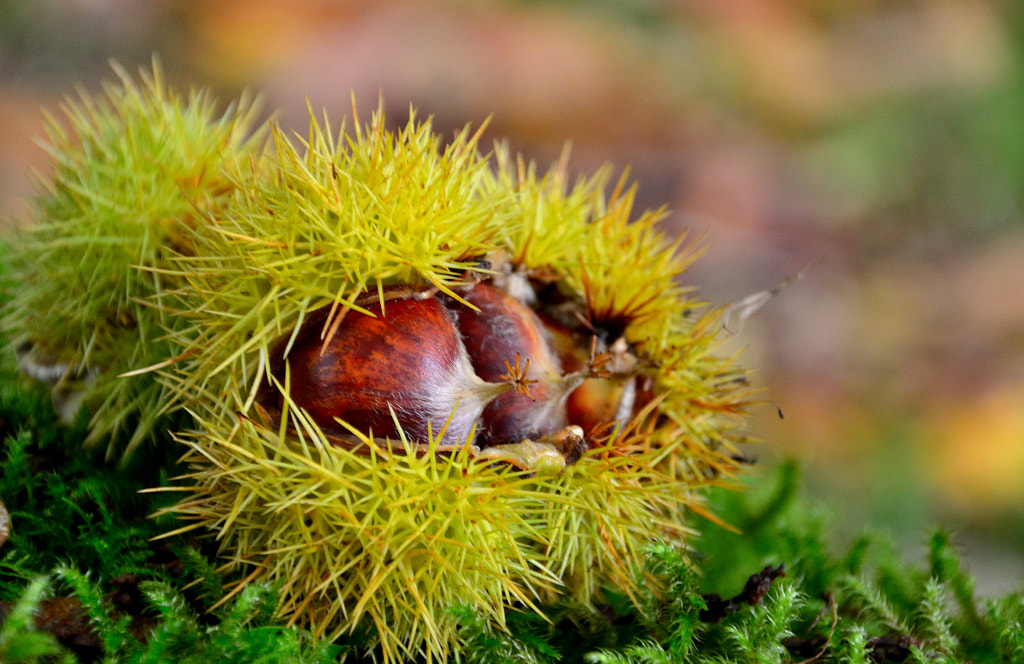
(875, 146)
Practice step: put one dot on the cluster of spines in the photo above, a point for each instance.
(401, 535)
(386, 534)
(133, 171)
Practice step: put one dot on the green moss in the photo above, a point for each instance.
(928, 615)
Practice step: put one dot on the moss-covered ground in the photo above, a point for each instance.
(82, 579)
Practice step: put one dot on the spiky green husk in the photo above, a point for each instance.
(132, 171)
(392, 534)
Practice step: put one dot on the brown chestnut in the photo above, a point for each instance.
(481, 368)
(502, 327)
(405, 357)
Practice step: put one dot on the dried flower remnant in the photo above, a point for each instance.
(754, 590)
(5, 524)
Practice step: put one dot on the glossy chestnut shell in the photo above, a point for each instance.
(405, 358)
(428, 366)
(503, 327)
